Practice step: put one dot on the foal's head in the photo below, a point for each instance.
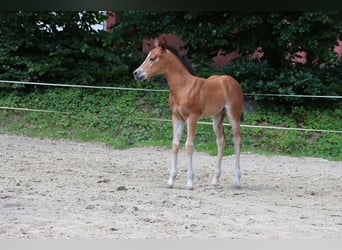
(154, 63)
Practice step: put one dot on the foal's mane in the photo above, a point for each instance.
(184, 60)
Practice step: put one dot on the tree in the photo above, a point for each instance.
(57, 47)
(279, 34)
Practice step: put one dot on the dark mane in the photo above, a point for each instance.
(187, 64)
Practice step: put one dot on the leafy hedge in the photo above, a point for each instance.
(62, 47)
(126, 119)
(258, 77)
(279, 35)
(57, 47)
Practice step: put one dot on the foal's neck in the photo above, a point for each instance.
(177, 74)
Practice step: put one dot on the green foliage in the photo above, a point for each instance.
(62, 47)
(279, 35)
(127, 118)
(57, 47)
(298, 143)
(253, 75)
(258, 77)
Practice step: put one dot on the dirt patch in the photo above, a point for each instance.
(63, 189)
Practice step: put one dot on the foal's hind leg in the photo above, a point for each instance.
(220, 140)
(234, 118)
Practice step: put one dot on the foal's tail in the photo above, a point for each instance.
(242, 116)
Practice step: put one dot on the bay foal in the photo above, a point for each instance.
(192, 98)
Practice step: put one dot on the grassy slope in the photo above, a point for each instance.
(124, 119)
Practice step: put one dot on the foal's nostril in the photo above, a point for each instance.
(139, 75)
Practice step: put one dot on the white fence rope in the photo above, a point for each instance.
(155, 90)
(252, 126)
(83, 86)
(298, 96)
(36, 110)
(165, 90)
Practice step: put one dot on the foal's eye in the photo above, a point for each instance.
(152, 59)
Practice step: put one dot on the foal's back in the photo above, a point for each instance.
(221, 91)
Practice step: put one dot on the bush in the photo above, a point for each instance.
(258, 77)
(57, 47)
(253, 75)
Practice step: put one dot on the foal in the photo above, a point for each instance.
(192, 98)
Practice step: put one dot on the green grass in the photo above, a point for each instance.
(123, 119)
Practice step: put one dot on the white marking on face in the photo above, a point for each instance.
(152, 60)
(148, 55)
(149, 61)
(139, 71)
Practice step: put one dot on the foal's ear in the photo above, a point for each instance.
(163, 43)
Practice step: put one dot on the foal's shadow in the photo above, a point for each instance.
(242, 188)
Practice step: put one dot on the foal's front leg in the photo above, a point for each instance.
(189, 147)
(178, 126)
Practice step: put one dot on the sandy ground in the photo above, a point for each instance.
(62, 189)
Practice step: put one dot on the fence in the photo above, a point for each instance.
(165, 90)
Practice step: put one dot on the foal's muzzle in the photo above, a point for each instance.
(139, 75)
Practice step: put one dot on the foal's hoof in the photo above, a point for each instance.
(237, 180)
(214, 182)
(169, 186)
(189, 187)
